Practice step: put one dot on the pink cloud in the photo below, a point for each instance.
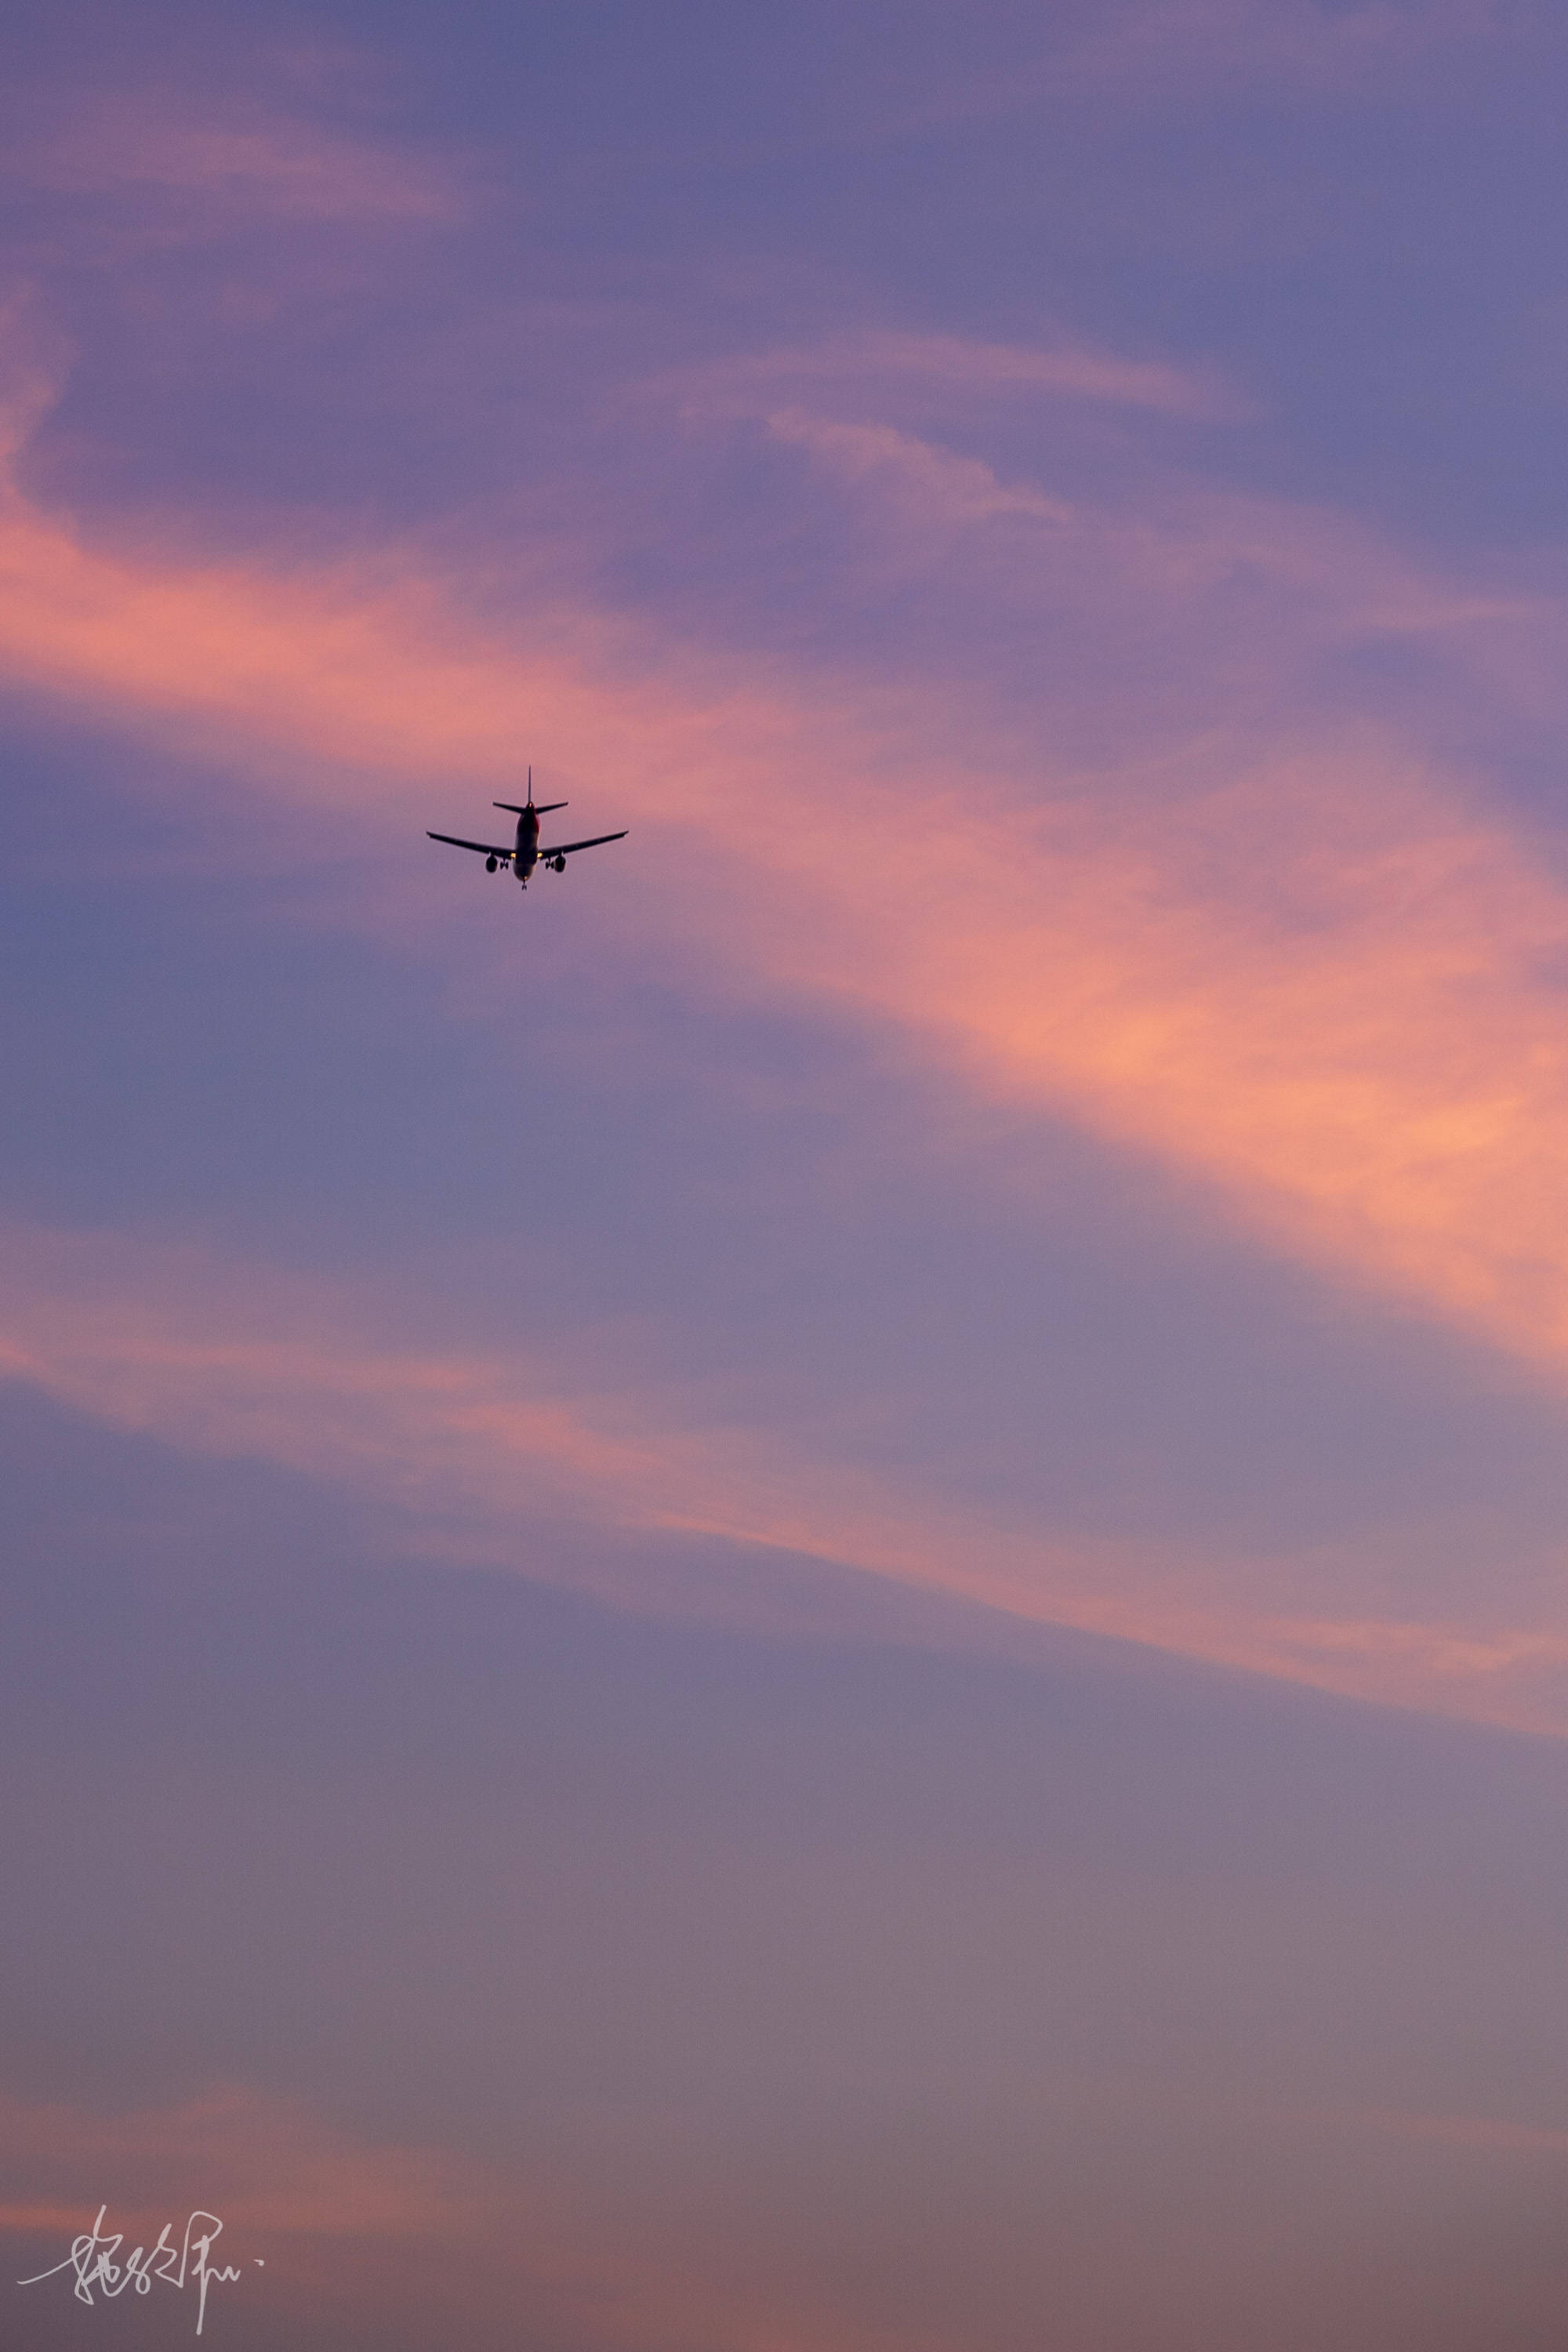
(1306, 970)
(1307, 973)
(1180, 51)
(235, 161)
(318, 2220)
(266, 2164)
(1168, 546)
(230, 1360)
(876, 360)
(1301, 42)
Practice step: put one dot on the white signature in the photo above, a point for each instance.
(92, 2258)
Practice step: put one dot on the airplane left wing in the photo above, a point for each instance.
(564, 848)
(485, 848)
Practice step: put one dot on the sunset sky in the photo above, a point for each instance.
(809, 1596)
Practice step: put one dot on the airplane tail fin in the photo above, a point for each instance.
(521, 809)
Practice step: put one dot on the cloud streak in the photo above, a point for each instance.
(1311, 977)
(1158, 52)
(1303, 970)
(342, 2223)
(235, 1361)
(236, 163)
(876, 362)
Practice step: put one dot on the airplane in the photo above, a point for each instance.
(525, 853)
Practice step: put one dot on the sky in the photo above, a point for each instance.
(808, 1596)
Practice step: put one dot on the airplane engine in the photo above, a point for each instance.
(559, 863)
(489, 865)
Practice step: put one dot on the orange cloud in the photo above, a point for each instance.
(1305, 972)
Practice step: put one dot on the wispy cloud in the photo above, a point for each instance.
(232, 162)
(1173, 541)
(1484, 2135)
(272, 2165)
(239, 1360)
(877, 360)
(513, 2242)
(1300, 42)
(1159, 53)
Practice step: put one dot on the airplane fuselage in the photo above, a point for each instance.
(525, 857)
(525, 851)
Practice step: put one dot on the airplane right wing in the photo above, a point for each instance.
(564, 848)
(485, 848)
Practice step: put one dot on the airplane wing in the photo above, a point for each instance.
(564, 848)
(485, 848)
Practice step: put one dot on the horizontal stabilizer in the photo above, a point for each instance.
(542, 808)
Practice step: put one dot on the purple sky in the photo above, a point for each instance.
(807, 1597)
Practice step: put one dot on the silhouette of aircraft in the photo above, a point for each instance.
(525, 853)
